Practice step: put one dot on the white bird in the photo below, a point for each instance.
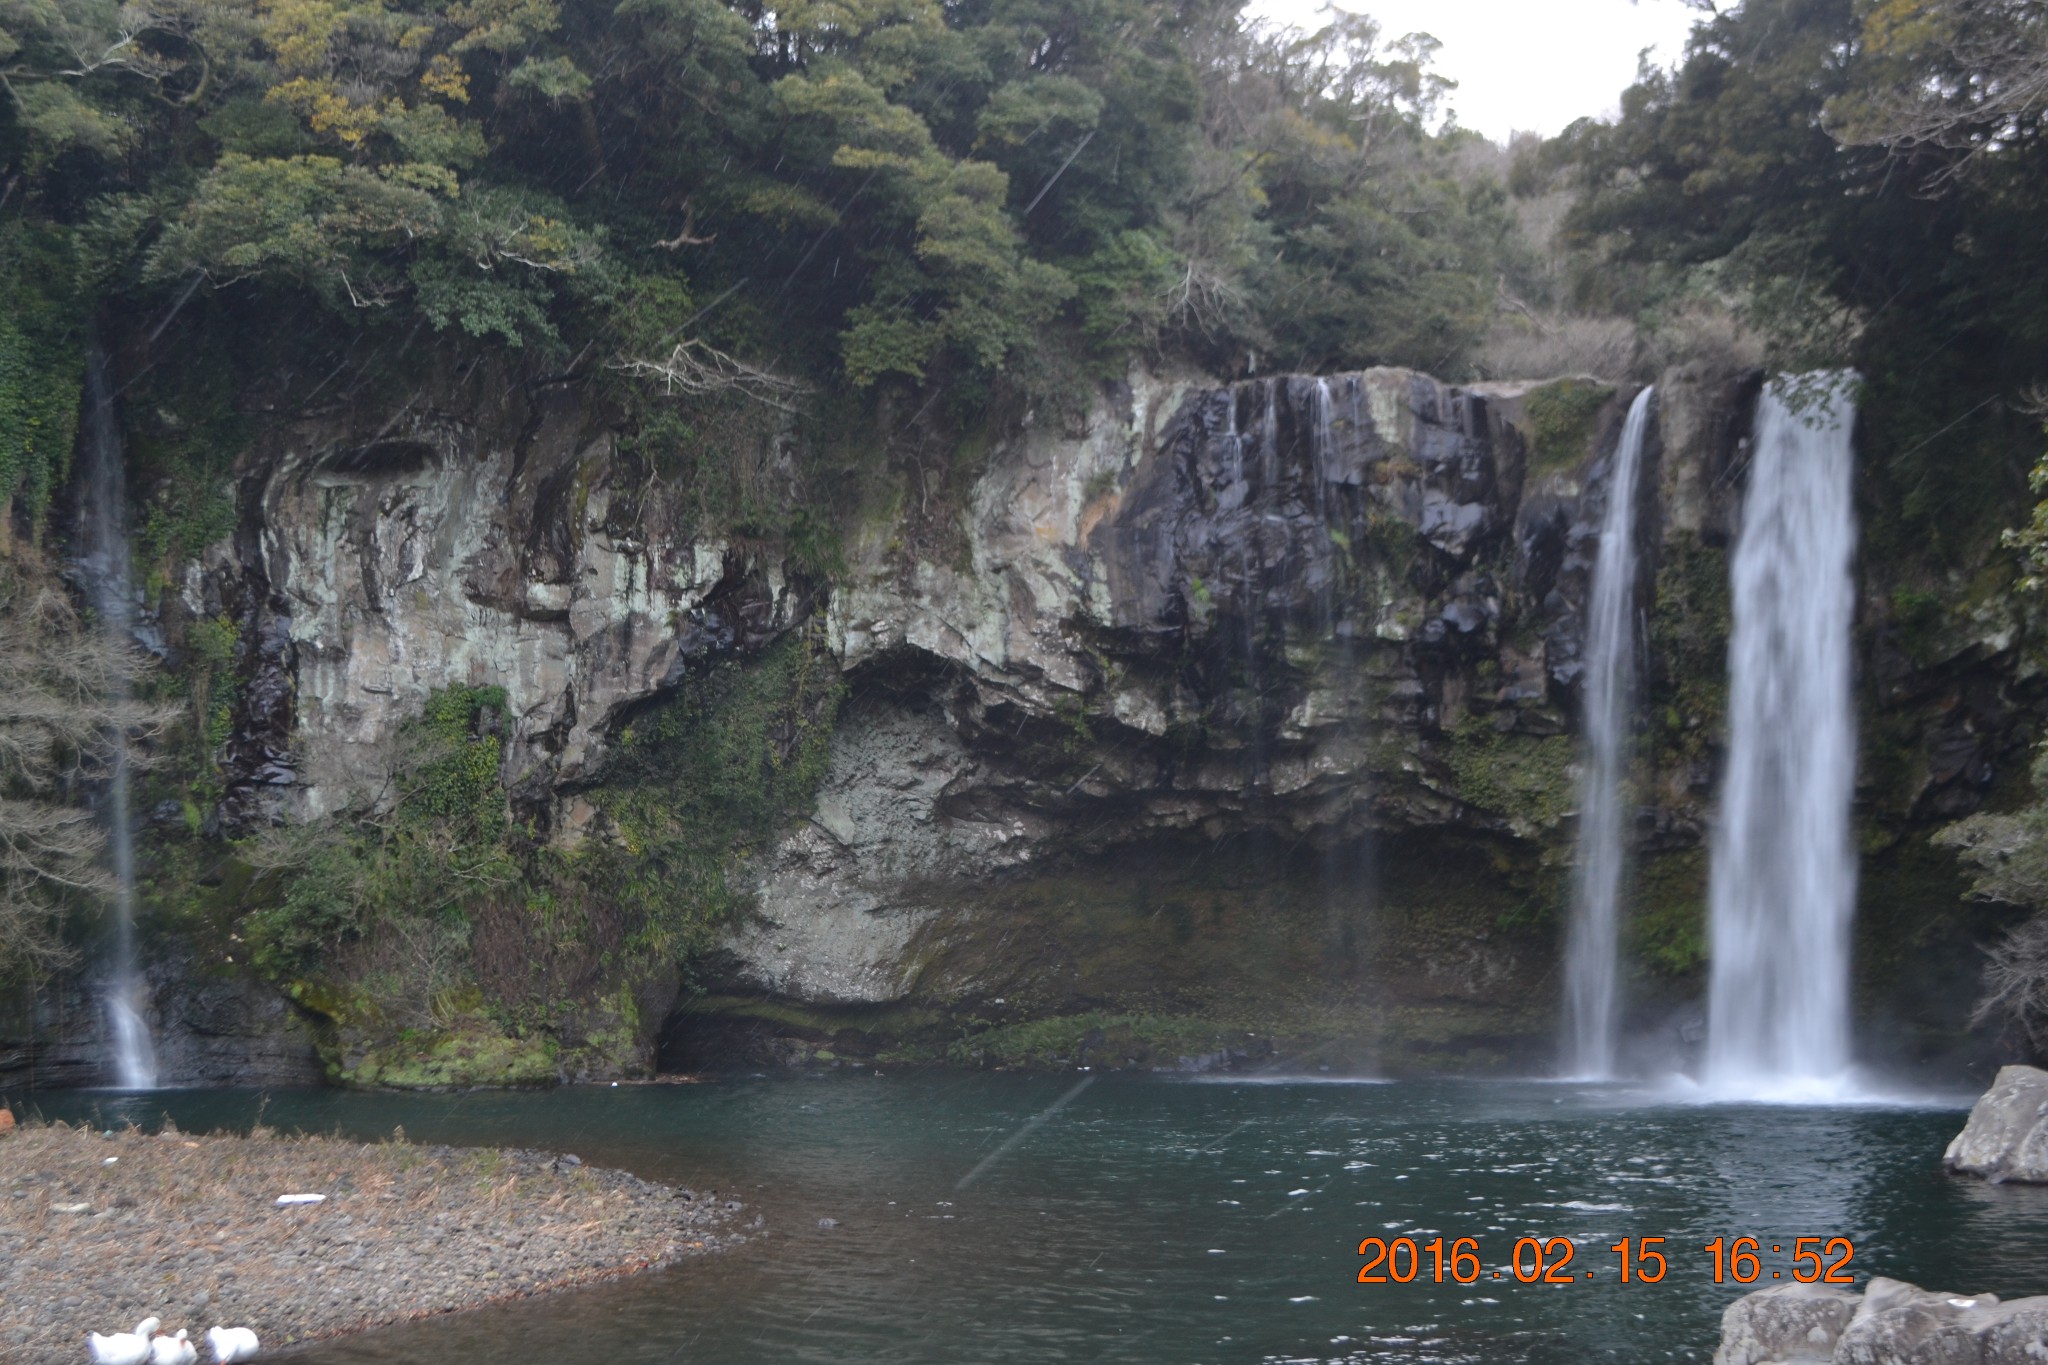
(122, 1348)
(173, 1350)
(231, 1343)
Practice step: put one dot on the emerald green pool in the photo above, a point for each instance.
(1156, 1219)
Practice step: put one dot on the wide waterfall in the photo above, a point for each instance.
(1783, 881)
(109, 574)
(1610, 687)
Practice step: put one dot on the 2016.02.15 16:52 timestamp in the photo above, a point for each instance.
(1640, 1260)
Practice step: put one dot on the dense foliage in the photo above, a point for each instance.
(425, 904)
(1858, 180)
(715, 196)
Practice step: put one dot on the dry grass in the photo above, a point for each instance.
(1540, 344)
(187, 1229)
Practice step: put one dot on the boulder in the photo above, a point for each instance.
(1890, 1323)
(1786, 1323)
(2007, 1135)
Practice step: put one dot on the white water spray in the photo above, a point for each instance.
(110, 577)
(1783, 882)
(1590, 957)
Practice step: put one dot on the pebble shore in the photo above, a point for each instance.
(98, 1231)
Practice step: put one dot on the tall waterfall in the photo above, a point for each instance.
(110, 577)
(1610, 658)
(1784, 878)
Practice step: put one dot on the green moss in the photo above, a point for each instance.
(1525, 778)
(474, 1056)
(1689, 627)
(422, 862)
(704, 778)
(1667, 925)
(184, 430)
(42, 368)
(1918, 616)
(1393, 538)
(1563, 416)
(817, 1020)
(1100, 1039)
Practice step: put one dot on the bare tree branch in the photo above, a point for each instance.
(698, 368)
(65, 709)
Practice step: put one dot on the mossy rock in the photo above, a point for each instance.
(1129, 1041)
(1563, 416)
(1667, 928)
(452, 1059)
(1525, 779)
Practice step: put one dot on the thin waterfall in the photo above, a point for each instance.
(1783, 882)
(110, 578)
(1591, 957)
(1350, 863)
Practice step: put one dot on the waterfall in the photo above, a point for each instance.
(1783, 879)
(110, 579)
(1610, 659)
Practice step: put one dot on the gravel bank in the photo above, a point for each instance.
(97, 1232)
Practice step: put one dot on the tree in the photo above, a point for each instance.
(64, 710)
(1958, 76)
(1735, 175)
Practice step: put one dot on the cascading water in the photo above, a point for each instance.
(109, 575)
(1783, 881)
(1350, 864)
(1610, 659)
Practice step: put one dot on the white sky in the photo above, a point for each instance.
(1524, 65)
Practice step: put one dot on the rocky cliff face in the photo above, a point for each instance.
(459, 543)
(212, 1027)
(1230, 719)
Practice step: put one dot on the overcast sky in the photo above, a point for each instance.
(1525, 64)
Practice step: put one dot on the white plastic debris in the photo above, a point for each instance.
(285, 1199)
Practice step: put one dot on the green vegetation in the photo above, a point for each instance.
(709, 199)
(1526, 779)
(1102, 1039)
(444, 945)
(1687, 687)
(1843, 182)
(1561, 420)
(1667, 931)
(707, 775)
(42, 366)
(446, 1060)
(424, 842)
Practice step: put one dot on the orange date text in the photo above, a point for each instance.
(1637, 1260)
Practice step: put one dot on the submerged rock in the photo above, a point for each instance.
(1890, 1323)
(2007, 1135)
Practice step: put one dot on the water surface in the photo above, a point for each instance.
(1155, 1219)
